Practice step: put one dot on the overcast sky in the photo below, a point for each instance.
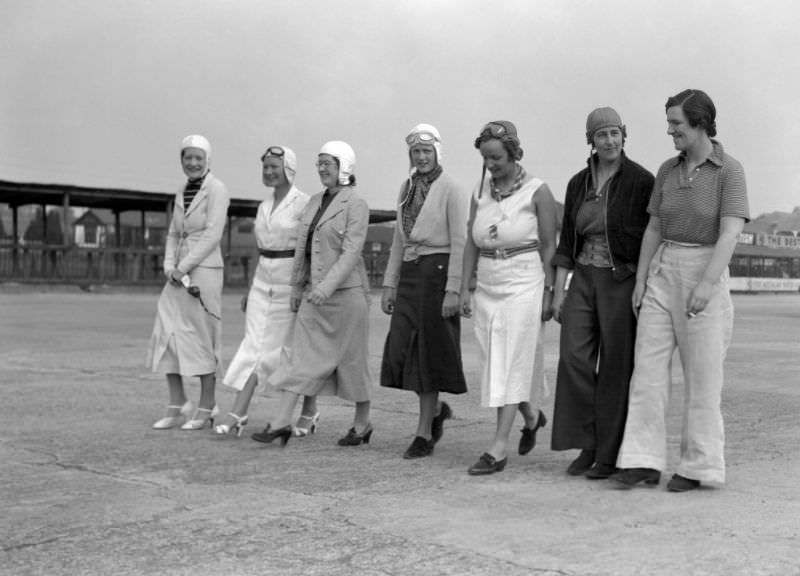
(100, 93)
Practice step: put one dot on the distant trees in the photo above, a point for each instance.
(35, 231)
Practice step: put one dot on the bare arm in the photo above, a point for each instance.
(650, 243)
(470, 262)
(544, 205)
(730, 227)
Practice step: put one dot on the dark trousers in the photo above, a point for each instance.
(598, 335)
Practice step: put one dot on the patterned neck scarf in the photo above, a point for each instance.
(498, 195)
(415, 198)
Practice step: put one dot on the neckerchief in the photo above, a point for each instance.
(418, 190)
(498, 195)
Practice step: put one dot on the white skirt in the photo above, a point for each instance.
(508, 309)
(269, 323)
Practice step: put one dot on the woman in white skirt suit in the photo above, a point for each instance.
(511, 240)
(269, 320)
(187, 336)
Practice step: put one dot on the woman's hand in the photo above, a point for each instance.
(294, 303)
(636, 297)
(450, 304)
(316, 297)
(547, 305)
(464, 304)
(244, 303)
(388, 299)
(698, 298)
(174, 277)
(556, 304)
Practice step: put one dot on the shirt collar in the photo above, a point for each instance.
(717, 153)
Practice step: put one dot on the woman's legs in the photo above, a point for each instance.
(177, 395)
(429, 406)
(505, 419)
(529, 413)
(241, 403)
(309, 406)
(207, 385)
(361, 419)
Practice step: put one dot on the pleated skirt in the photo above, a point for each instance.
(422, 352)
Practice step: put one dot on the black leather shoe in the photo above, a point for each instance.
(582, 463)
(600, 471)
(680, 483)
(437, 426)
(353, 438)
(487, 464)
(267, 435)
(627, 478)
(419, 448)
(528, 439)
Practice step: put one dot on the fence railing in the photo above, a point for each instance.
(105, 265)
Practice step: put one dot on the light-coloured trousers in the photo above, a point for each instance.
(702, 342)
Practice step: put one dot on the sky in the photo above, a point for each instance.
(101, 92)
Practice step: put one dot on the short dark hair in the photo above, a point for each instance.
(698, 108)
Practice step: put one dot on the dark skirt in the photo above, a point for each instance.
(423, 351)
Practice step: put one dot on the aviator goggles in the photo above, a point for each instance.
(273, 151)
(494, 130)
(421, 138)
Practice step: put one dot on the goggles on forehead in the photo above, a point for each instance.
(274, 151)
(421, 138)
(494, 130)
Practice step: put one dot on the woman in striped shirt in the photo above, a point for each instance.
(697, 210)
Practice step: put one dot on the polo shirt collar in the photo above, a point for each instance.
(717, 153)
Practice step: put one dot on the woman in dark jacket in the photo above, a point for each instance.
(605, 215)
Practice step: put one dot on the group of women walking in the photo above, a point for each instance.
(640, 268)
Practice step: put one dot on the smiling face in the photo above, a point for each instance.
(194, 163)
(497, 160)
(272, 173)
(423, 157)
(684, 136)
(328, 170)
(608, 143)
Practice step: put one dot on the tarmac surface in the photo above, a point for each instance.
(87, 487)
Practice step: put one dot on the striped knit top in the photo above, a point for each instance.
(191, 190)
(690, 206)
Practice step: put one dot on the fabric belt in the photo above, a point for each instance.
(503, 253)
(277, 253)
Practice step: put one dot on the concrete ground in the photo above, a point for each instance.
(87, 487)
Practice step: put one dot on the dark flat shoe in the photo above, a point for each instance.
(487, 464)
(600, 471)
(582, 463)
(419, 448)
(528, 439)
(680, 483)
(627, 478)
(437, 426)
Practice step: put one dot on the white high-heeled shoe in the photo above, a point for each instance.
(235, 428)
(313, 422)
(168, 422)
(199, 423)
